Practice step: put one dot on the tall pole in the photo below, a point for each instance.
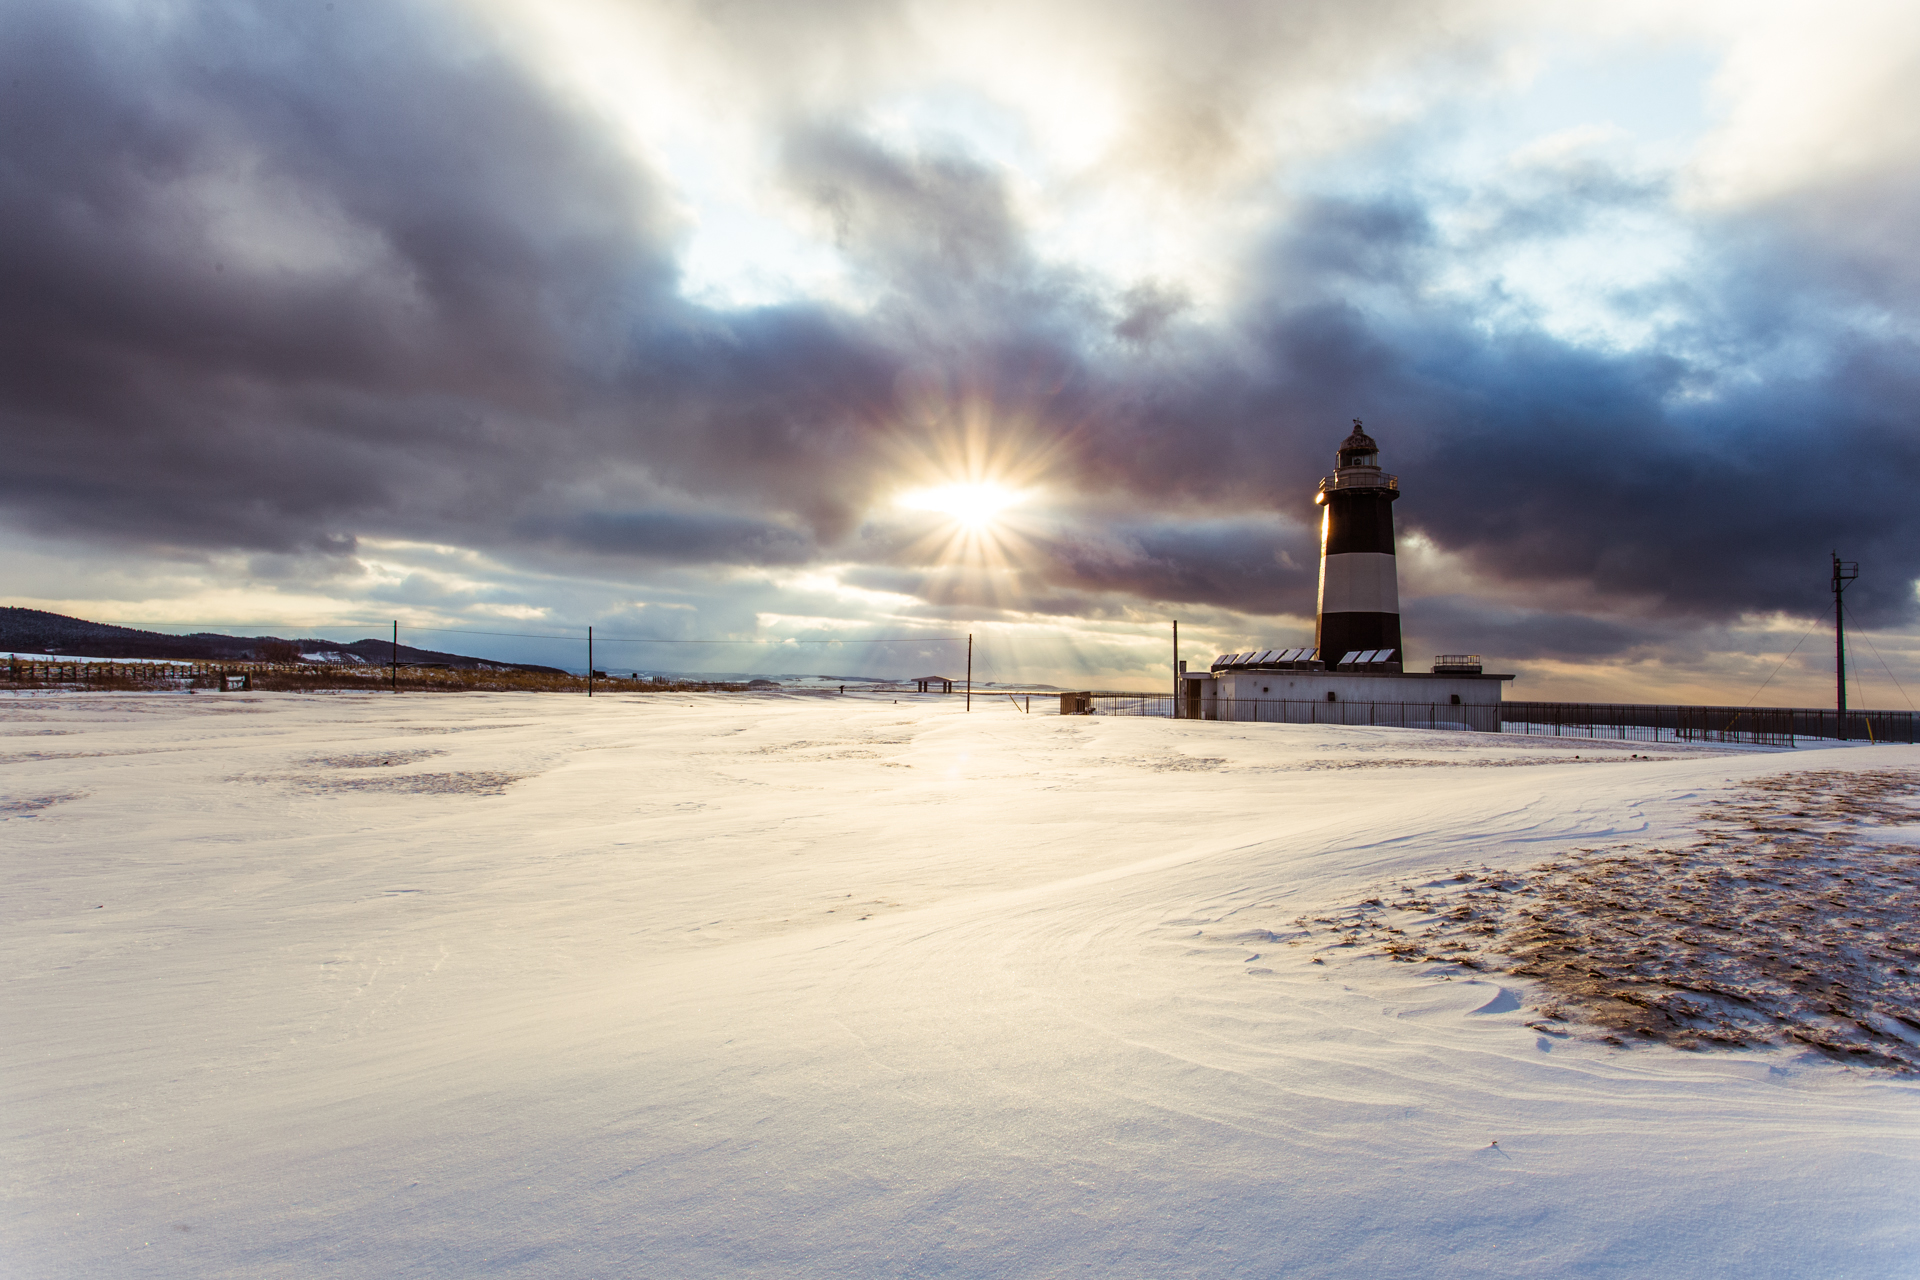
(589, 662)
(1176, 668)
(393, 669)
(1839, 649)
(969, 670)
(1844, 571)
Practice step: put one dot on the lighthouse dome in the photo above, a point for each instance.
(1358, 449)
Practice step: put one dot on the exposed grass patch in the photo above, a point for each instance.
(1793, 918)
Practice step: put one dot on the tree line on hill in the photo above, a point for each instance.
(36, 631)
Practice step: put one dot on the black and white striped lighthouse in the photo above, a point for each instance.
(1359, 576)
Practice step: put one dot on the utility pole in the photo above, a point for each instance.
(1844, 571)
(393, 669)
(1176, 668)
(969, 670)
(589, 662)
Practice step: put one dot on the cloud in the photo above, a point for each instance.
(287, 282)
(689, 538)
(1455, 624)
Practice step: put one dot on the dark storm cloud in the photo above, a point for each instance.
(1701, 485)
(685, 538)
(276, 278)
(1251, 565)
(1461, 624)
(274, 272)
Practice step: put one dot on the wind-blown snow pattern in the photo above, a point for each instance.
(744, 986)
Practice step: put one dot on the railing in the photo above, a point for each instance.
(106, 668)
(1359, 481)
(1482, 718)
(1396, 715)
(1772, 726)
(1761, 726)
(1123, 704)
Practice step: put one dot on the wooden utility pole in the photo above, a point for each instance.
(969, 670)
(589, 662)
(1176, 668)
(393, 669)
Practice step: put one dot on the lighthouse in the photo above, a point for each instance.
(1356, 673)
(1359, 575)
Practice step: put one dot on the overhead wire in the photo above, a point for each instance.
(1883, 664)
(531, 635)
(598, 639)
(1783, 662)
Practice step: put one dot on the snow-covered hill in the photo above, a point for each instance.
(525, 985)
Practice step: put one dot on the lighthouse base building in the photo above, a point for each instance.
(1355, 673)
(1257, 687)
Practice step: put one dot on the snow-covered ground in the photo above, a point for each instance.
(531, 985)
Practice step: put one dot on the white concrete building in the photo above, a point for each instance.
(1243, 687)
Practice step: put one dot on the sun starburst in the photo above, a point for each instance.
(975, 505)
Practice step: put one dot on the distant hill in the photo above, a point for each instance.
(35, 631)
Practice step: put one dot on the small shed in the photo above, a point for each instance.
(925, 684)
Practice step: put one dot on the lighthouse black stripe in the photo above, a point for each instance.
(1342, 633)
(1358, 520)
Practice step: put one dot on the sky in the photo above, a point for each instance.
(882, 323)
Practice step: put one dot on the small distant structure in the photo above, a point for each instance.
(925, 684)
(1356, 656)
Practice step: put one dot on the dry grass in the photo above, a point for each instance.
(1794, 917)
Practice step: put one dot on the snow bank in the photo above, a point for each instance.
(528, 985)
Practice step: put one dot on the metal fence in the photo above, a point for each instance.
(1771, 726)
(1395, 715)
(1127, 704)
(1763, 726)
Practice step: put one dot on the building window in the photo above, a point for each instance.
(1332, 696)
(1456, 699)
(1264, 689)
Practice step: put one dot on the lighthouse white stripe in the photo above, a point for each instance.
(1359, 582)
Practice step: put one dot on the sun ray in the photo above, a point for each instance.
(971, 508)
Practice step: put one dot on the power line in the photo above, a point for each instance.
(1883, 666)
(1783, 662)
(529, 635)
(650, 640)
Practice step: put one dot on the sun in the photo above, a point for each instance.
(975, 505)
